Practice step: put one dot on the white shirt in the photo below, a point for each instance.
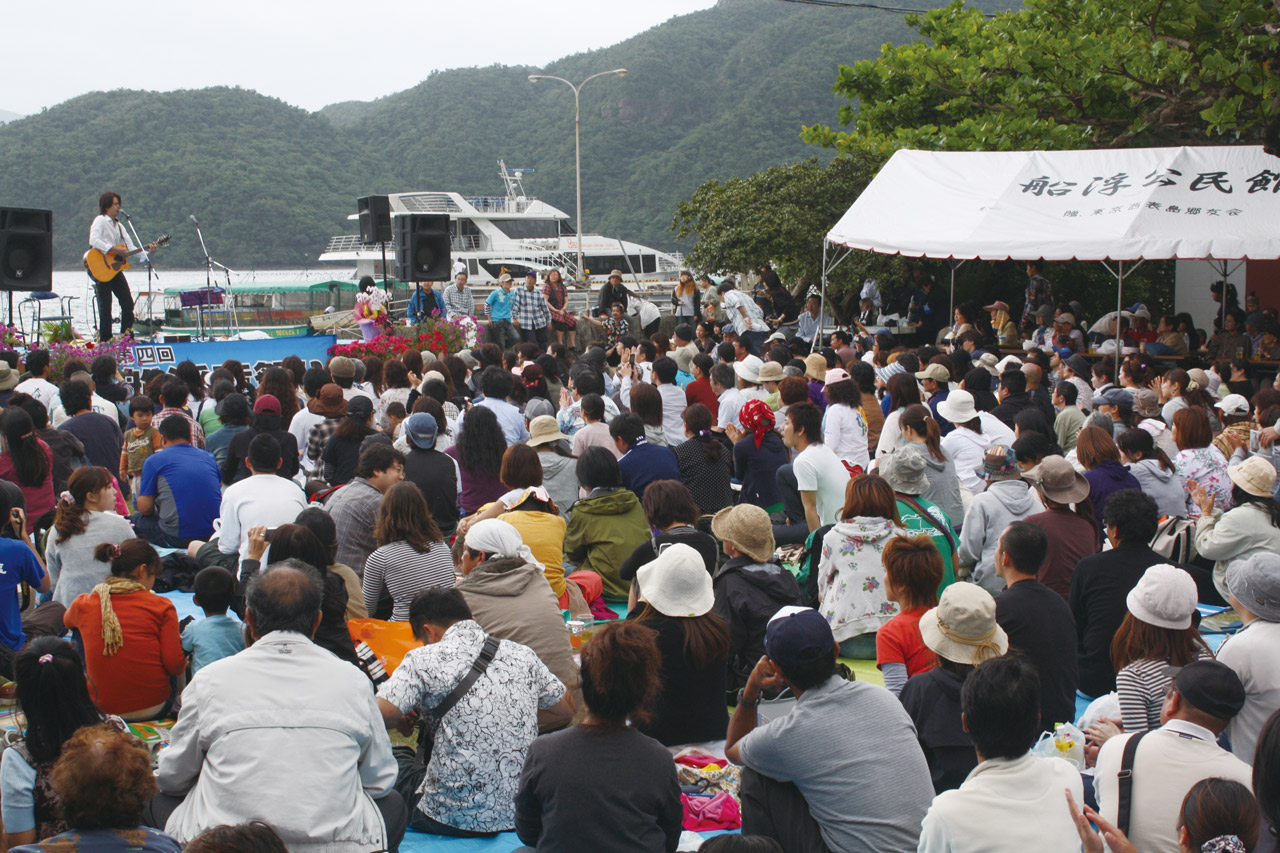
(300, 428)
(844, 430)
(58, 416)
(40, 388)
(731, 402)
(818, 469)
(106, 232)
(966, 448)
(261, 499)
(890, 434)
(647, 311)
(1251, 652)
(673, 406)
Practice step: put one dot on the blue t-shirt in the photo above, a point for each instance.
(212, 638)
(18, 565)
(187, 488)
(646, 462)
(499, 303)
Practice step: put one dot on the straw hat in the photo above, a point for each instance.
(544, 429)
(904, 471)
(8, 378)
(677, 583)
(962, 628)
(1165, 596)
(1255, 475)
(771, 371)
(815, 366)
(958, 408)
(747, 528)
(1059, 481)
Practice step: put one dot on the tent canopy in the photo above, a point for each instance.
(1125, 204)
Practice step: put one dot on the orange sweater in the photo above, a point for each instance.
(137, 676)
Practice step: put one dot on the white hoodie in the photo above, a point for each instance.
(966, 448)
(1004, 502)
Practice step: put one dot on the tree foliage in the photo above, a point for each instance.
(1069, 74)
(781, 215)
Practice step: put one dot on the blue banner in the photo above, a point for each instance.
(255, 355)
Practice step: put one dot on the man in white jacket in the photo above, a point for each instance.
(1007, 498)
(1013, 800)
(282, 731)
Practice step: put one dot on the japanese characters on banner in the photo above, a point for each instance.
(1125, 204)
(256, 356)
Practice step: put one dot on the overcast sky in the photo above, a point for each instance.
(306, 53)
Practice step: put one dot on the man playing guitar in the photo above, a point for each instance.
(104, 234)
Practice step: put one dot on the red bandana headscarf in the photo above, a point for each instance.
(757, 418)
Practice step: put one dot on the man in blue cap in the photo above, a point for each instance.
(843, 770)
(434, 473)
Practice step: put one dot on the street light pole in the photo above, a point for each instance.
(577, 138)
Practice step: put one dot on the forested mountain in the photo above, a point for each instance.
(713, 94)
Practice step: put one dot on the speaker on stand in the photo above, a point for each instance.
(423, 247)
(26, 251)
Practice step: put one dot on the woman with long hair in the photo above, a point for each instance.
(678, 604)
(921, 430)
(1199, 461)
(684, 299)
(27, 462)
(54, 699)
(1096, 451)
(279, 383)
(397, 389)
(84, 520)
(197, 393)
(850, 591)
(373, 374)
(844, 427)
(1179, 391)
(342, 451)
(1154, 470)
(236, 369)
(563, 322)
(646, 404)
(132, 650)
(478, 451)
(411, 554)
(705, 466)
(1251, 527)
(621, 682)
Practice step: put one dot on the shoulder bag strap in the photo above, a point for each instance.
(1124, 792)
(477, 669)
(947, 534)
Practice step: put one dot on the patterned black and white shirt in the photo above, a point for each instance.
(480, 746)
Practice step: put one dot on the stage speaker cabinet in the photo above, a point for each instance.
(26, 249)
(422, 247)
(375, 219)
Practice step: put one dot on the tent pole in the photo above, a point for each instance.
(822, 302)
(1119, 307)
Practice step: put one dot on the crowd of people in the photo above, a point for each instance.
(666, 545)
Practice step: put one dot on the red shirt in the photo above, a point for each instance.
(899, 641)
(699, 391)
(137, 676)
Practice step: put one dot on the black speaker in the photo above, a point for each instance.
(26, 249)
(375, 219)
(422, 247)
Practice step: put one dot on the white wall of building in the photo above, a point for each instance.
(1191, 289)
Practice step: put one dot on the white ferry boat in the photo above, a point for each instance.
(514, 233)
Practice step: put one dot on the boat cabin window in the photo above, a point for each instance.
(604, 263)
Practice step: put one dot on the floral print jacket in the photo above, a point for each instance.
(851, 576)
(1208, 467)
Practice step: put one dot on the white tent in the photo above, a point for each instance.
(1215, 202)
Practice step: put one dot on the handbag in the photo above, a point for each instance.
(1176, 539)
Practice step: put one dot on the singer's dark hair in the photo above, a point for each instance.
(105, 200)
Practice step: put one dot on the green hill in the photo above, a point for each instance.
(713, 94)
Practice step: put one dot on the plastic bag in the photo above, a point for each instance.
(1065, 742)
(390, 641)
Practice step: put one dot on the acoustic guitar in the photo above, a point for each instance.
(103, 266)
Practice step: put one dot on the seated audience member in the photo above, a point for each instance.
(641, 462)
(1012, 801)
(434, 473)
(411, 556)
(506, 589)
(1154, 471)
(1216, 815)
(813, 485)
(1201, 701)
(1037, 621)
(706, 467)
(217, 635)
(669, 509)
(1266, 761)
(1254, 592)
(750, 586)
(558, 476)
(678, 602)
(341, 452)
(1007, 498)
(912, 573)
(904, 471)
(67, 449)
(603, 785)
(478, 453)
(174, 394)
(27, 462)
(262, 498)
(321, 524)
(354, 507)
(758, 455)
(483, 726)
(267, 420)
(235, 416)
(253, 837)
(284, 711)
(605, 526)
(21, 565)
(801, 772)
(595, 429)
(1098, 455)
(1101, 583)
(84, 521)
(99, 434)
(180, 494)
(54, 699)
(1252, 524)
(103, 781)
(132, 651)
(1068, 521)
(961, 632)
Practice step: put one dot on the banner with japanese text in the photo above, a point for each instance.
(256, 356)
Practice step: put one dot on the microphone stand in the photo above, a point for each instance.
(209, 264)
(151, 272)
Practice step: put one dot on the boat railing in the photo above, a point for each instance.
(469, 243)
(498, 204)
(349, 243)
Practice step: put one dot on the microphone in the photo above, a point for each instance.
(192, 217)
(125, 215)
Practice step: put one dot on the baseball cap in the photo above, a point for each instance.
(1233, 404)
(1210, 686)
(1114, 397)
(421, 430)
(798, 635)
(342, 367)
(936, 372)
(266, 404)
(233, 406)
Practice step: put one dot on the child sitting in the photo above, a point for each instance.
(217, 635)
(396, 416)
(913, 569)
(139, 442)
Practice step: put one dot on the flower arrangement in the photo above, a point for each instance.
(11, 337)
(437, 335)
(60, 352)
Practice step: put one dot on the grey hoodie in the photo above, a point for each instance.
(944, 488)
(1003, 502)
(1165, 487)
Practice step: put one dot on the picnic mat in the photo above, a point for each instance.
(421, 842)
(185, 604)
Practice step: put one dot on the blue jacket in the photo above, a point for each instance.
(423, 303)
(646, 462)
(1104, 481)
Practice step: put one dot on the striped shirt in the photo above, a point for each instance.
(459, 303)
(403, 572)
(1141, 686)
